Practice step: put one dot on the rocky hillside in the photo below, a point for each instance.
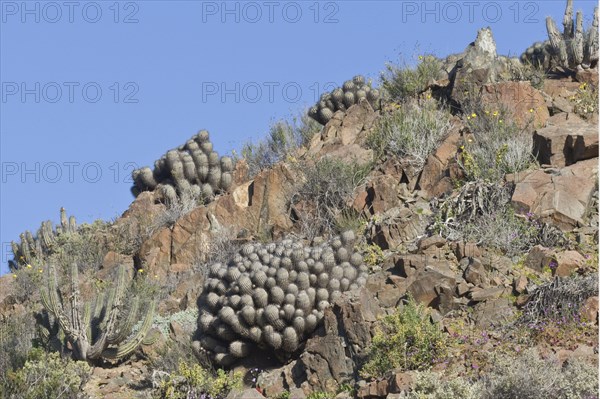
(433, 236)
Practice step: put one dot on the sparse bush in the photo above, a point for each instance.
(407, 339)
(559, 299)
(480, 212)
(412, 131)
(16, 335)
(496, 147)
(193, 381)
(401, 82)
(284, 137)
(86, 248)
(186, 203)
(46, 376)
(328, 186)
(187, 319)
(429, 385)
(530, 377)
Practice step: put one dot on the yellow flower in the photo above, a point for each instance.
(500, 121)
(14, 275)
(495, 113)
(428, 96)
(468, 118)
(155, 276)
(141, 271)
(487, 112)
(473, 115)
(530, 110)
(41, 271)
(583, 86)
(420, 57)
(28, 266)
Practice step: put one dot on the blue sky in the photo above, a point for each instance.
(92, 89)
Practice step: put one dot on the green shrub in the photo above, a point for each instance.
(192, 381)
(401, 82)
(585, 101)
(319, 395)
(530, 377)
(496, 147)
(283, 138)
(328, 187)
(46, 376)
(407, 339)
(412, 131)
(429, 385)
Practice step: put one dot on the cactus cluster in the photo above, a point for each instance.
(101, 330)
(572, 49)
(193, 168)
(273, 296)
(342, 98)
(33, 247)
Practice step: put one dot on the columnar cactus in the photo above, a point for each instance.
(43, 243)
(193, 168)
(570, 49)
(273, 296)
(98, 331)
(342, 98)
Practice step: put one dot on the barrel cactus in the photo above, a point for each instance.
(191, 169)
(342, 98)
(275, 302)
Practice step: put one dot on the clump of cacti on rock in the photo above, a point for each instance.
(100, 329)
(342, 98)
(31, 247)
(573, 48)
(273, 296)
(192, 169)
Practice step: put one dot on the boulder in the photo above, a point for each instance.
(344, 129)
(435, 176)
(557, 196)
(524, 103)
(567, 139)
(567, 263)
(589, 309)
(539, 258)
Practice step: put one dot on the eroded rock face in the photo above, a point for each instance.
(525, 103)
(345, 133)
(566, 140)
(557, 196)
(331, 358)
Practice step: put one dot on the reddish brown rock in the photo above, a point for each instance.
(568, 262)
(560, 88)
(401, 382)
(589, 309)
(155, 253)
(374, 390)
(344, 129)
(435, 176)
(539, 257)
(524, 102)
(520, 284)
(565, 140)
(589, 76)
(560, 197)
